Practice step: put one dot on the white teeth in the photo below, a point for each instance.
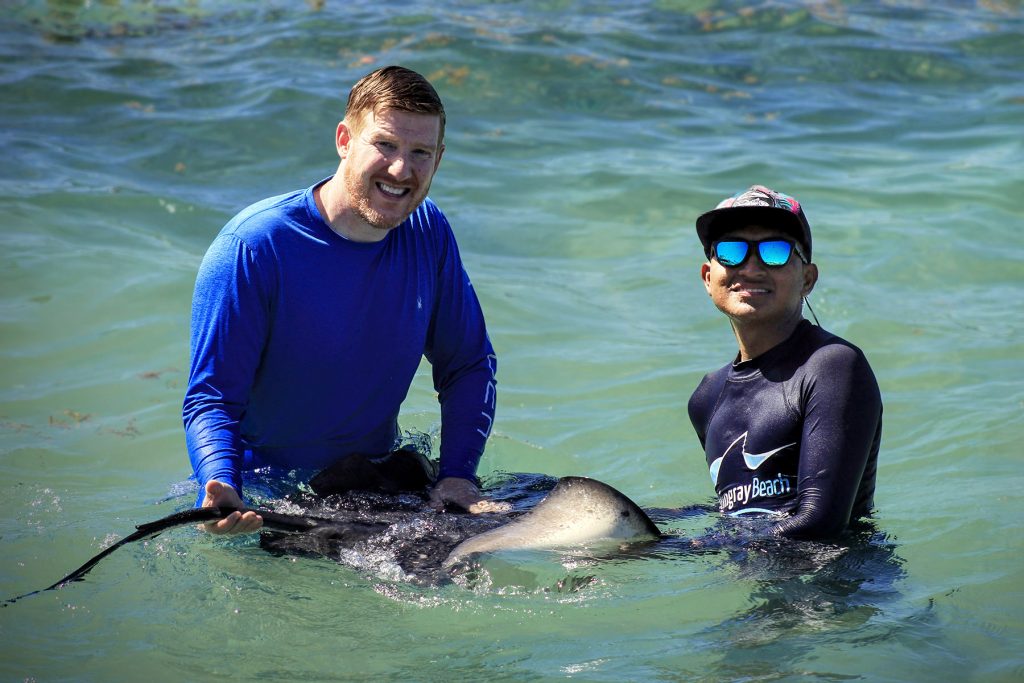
(391, 189)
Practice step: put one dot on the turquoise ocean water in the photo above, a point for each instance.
(583, 139)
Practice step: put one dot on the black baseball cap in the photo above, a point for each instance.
(757, 205)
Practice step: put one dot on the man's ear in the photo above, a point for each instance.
(342, 139)
(810, 278)
(437, 160)
(705, 275)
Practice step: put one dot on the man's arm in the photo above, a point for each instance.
(229, 322)
(842, 424)
(465, 377)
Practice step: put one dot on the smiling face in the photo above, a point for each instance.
(755, 296)
(388, 159)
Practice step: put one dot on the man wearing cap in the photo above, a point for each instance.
(792, 426)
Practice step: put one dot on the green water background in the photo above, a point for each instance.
(583, 139)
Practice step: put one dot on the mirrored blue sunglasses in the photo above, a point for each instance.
(774, 253)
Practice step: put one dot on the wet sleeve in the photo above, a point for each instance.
(464, 366)
(843, 409)
(230, 314)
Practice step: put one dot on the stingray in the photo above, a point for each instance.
(394, 524)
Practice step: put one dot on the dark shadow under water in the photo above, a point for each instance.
(802, 593)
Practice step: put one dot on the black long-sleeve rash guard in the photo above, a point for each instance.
(795, 430)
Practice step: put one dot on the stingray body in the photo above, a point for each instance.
(396, 536)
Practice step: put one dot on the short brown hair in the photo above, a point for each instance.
(394, 87)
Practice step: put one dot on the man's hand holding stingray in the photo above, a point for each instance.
(464, 494)
(222, 495)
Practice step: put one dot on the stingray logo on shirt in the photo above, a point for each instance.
(757, 487)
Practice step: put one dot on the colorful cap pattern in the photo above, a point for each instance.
(757, 205)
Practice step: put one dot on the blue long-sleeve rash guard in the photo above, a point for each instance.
(795, 430)
(304, 344)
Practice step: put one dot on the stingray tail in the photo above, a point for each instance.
(142, 531)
